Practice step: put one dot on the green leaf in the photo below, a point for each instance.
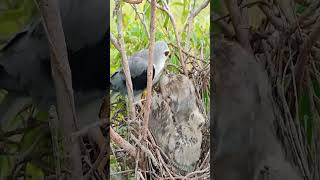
(33, 172)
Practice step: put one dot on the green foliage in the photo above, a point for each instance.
(15, 17)
(33, 172)
(136, 38)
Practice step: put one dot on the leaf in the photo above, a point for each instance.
(33, 172)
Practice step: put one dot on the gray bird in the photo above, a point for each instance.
(25, 68)
(138, 65)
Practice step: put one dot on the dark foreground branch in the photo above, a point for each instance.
(61, 74)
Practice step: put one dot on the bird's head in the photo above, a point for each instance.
(162, 51)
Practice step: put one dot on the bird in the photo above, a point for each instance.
(25, 68)
(176, 121)
(138, 65)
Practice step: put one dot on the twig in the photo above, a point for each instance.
(241, 28)
(166, 9)
(142, 20)
(114, 42)
(99, 159)
(54, 124)
(150, 69)
(133, 1)
(304, 53)
(146, 150)
(125, 64)
(116, 138)
(85, 130)
(194, 13)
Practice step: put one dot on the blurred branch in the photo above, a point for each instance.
(54, 124)
(239, 24)
(97, 162)
(304, 54)
(85, 130)
(61, 75)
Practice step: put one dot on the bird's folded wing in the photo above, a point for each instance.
(138, 66)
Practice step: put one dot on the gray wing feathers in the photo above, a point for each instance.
(137, 66)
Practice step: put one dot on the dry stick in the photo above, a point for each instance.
(61, 74)
(150, 68)
(125, 64)
(238, 21)
(193, 13)
(304, 54)
(178, 41)
(97, 162)
(142, 19)
(114, 42)
(116, 138)
(53, 123)
(133, 1)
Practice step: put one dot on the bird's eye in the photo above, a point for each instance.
(166, 53)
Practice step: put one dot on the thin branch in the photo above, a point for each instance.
(115, 42)
(133, 1)
(116, 138)
(166, 9)
(194, 13)
(150, 68)
(241, 28)
(125, 64)
(54, 124)
(304, 53)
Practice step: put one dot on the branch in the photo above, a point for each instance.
(61, 74)
(241, 28)
(304, 53)
(116, 138)
(125, 64)
(115, 42)
(53, 124)
(194, 13)
(150, 67)
(166, 9)
(133, 1)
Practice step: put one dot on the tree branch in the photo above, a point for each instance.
(125, 64)
(150, 67)
(304, 53)
(133, 1)
(241, 28)
(116, 138)
(61, 74)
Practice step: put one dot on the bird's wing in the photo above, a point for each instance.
(21, 58)
(137, 65)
